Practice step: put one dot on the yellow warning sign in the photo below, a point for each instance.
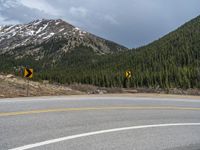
(28, 73)
(128, 74)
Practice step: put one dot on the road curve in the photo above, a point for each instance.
(99, 123)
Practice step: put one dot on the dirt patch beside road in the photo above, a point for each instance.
(11, 86)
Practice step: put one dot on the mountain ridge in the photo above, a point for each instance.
(32, 35)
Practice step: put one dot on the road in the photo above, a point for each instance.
(100, 123)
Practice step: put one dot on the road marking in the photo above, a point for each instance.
(100, 132)
(4, 114)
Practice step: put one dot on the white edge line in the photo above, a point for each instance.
(99, 132)
(34, 99)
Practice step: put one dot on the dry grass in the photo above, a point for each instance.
(11, 86)
(16, 87)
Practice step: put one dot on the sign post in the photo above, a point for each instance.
(28, 73)
(27, 89)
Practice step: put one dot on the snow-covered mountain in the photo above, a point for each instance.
(36, 37)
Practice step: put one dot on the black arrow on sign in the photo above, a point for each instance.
(29, 73)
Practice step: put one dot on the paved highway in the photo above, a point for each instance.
(99, 123)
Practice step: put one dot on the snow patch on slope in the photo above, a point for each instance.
(37, 22)
(48, 36)
(61, 29)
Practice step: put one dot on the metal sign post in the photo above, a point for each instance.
(27, 89)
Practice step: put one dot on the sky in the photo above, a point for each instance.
(132, 23)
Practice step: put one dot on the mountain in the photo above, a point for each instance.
(55, 36)
(172, 61)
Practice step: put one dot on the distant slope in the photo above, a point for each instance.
(174, 60)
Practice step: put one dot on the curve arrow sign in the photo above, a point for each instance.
(28, 73)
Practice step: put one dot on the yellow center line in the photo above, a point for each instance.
(3, 114)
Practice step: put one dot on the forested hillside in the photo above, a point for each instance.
(170, 62)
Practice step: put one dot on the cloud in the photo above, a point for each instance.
(78, 11)
(8, 3)
(13, 12)
(130, 22)
(5, 21)
(41, 5)
(110, 19)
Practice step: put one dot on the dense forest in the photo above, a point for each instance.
(170, 62)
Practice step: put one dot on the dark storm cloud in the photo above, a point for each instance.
(12, 11)
(130, 22)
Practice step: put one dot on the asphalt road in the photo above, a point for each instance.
(100, 123)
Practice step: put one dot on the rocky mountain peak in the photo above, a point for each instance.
(39, 32)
